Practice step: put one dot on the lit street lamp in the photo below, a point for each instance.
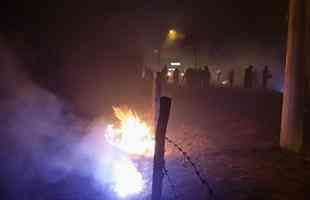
(172, 35)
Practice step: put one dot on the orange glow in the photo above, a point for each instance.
(133, 136)
(172, 35)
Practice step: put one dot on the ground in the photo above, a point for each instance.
(232, 135)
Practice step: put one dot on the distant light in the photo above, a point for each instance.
(175, 64)
(172, 35)
(182, 74)
(171, 31)
(171, 69)
(225, 82)
(170, 73)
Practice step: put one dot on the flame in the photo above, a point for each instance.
(128, 180)
(133, 136)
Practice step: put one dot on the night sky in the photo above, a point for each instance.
(48, 22)
(73, 46)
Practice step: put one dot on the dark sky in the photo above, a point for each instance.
(40, 19)
(76, 45)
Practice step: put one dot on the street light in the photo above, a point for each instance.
(172, 35)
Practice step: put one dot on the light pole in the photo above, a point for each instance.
(157, 87)
(292, 130)
(171, 36)
(157, 52)
(195, 56)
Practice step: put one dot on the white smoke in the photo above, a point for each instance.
(43, 142)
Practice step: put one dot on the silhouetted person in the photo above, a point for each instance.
(206, 77)
(231, 77)
(182, 77)
(176, 76)
(189, 77)
(266, 76)
(147, 74)
(218, 76)
(163, 74)
(255, 81)
(197, 78)
(143, 74)
(248, 77)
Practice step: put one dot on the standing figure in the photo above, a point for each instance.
(148, 74)
(198, 78)
(189, 77)
(182, 77)
(176, 77)
(143, 74)
(266, 75)
(218, 76)
(206, 77)
(163, 74)
(248, 77)
(255, 81)
(231, 77)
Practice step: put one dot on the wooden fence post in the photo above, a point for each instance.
(156, 94)
(159, 162)
(291, 137)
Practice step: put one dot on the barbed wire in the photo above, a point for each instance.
(193, 165)
(172, 185)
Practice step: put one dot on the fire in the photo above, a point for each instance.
(133, 136)
(128, 180)
(134, 139)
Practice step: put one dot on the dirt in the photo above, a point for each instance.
(232, 136)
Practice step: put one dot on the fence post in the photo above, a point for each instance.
(160, 135)
(292, 130)
(156, 94)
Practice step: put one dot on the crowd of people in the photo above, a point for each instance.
(250, 77)
(201, 77)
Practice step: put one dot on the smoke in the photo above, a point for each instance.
(43, 143)
(36, 130)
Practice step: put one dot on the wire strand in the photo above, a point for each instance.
(194, 167)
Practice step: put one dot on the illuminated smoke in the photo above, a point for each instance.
(128, 180)
(133, 136)
(43, 141)
(134, 139)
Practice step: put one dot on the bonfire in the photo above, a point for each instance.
(135, 139)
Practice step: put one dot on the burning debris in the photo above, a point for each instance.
(134, 138)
